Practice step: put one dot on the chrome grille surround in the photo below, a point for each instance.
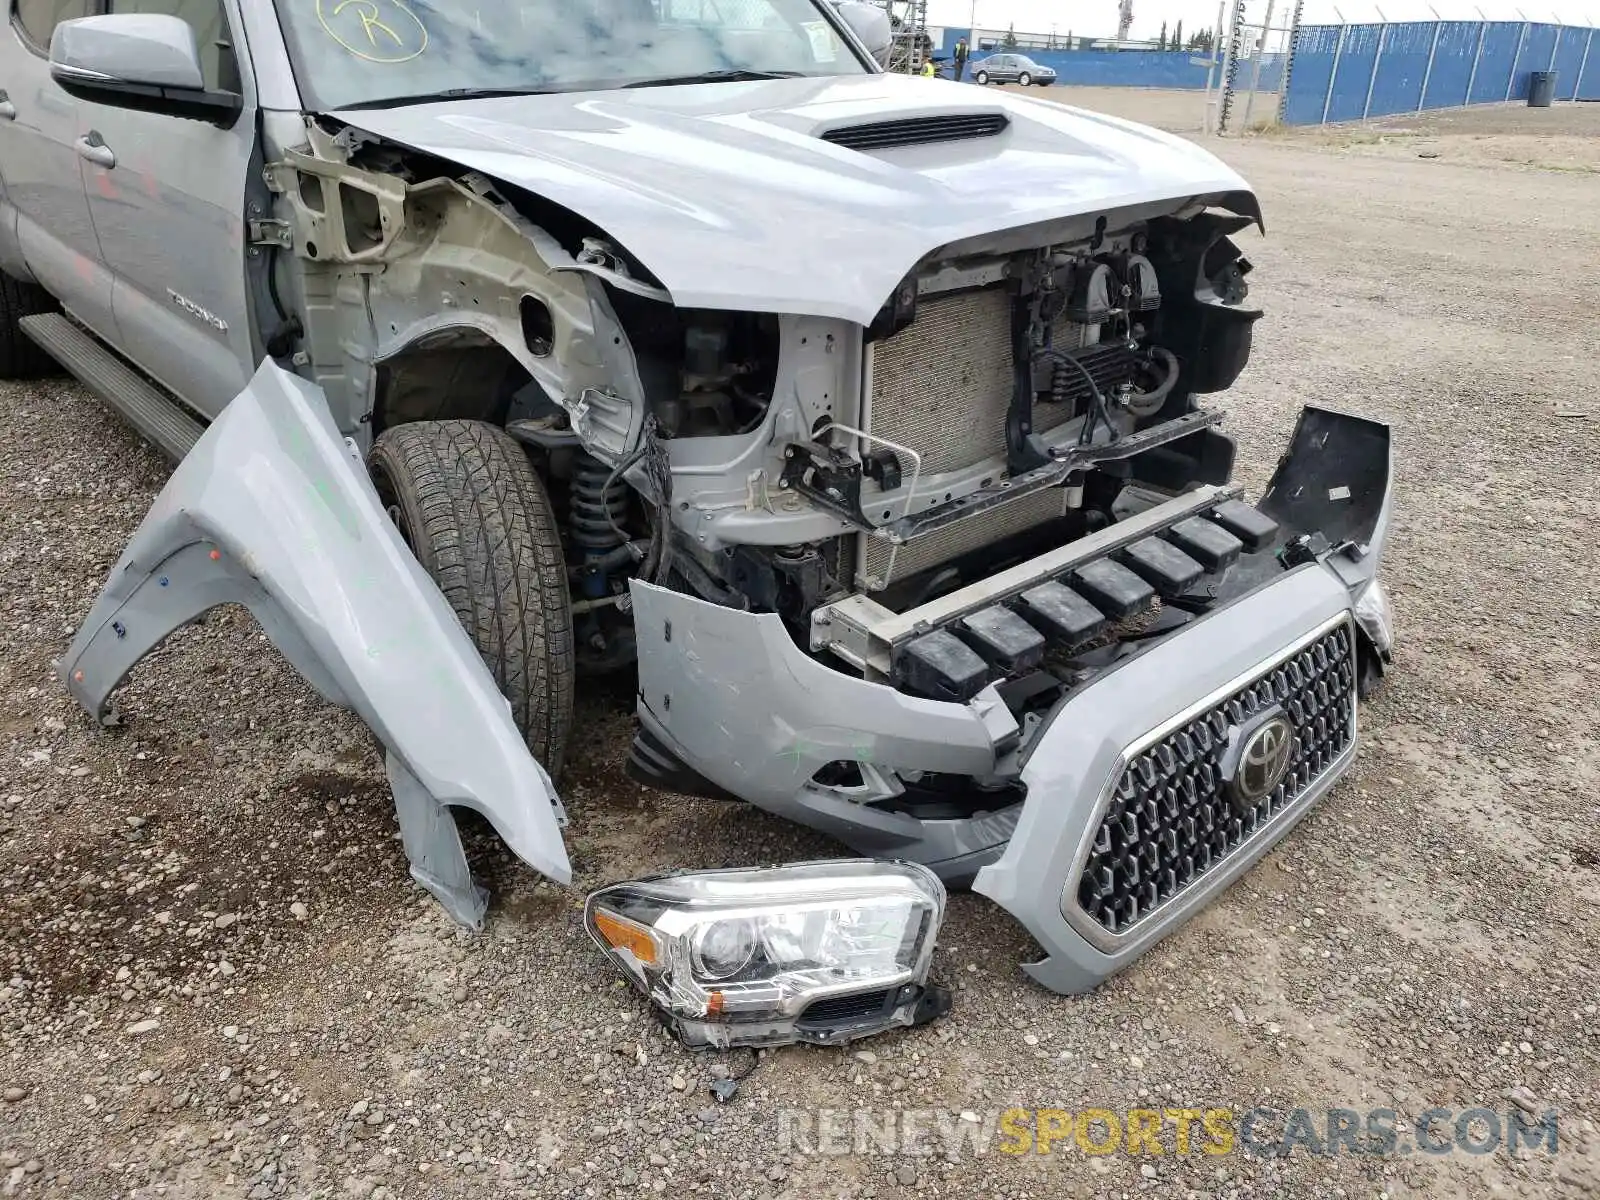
(1165, 820)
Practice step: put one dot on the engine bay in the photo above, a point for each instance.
(1007, 397)
(1003, 405)
(1006, 403)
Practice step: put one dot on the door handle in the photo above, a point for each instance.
(8, 110)
(90, 147)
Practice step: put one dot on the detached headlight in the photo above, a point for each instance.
(815, 952)
(1376, 616)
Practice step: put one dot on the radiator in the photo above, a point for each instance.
(942, 386)
(875, 572)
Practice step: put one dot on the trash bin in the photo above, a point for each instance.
(1541, 88)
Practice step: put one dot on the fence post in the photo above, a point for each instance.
(1477, 55)
(1377, 61)
(1287, 73)
(1211, 71)
(1333, 75)
(1230, 67)
(1427, 72)
(1582, 66)
(1511, 83)
(1255, 67)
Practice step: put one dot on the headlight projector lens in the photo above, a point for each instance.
(724, 948)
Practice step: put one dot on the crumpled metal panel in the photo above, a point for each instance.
(272, 509)
(730, 197)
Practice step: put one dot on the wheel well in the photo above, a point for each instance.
(462, 373)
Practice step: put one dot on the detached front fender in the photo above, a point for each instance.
(273, 510)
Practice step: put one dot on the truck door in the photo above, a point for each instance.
(167, 197)
(41, 141)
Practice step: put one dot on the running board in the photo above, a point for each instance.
(157, 417)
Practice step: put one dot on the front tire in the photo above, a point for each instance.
(477, 516)
(1025, 79)
(20, 356)
(982, 77)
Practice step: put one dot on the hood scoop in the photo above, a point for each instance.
(918, 131)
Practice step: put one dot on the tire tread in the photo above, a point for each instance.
(482, 526)
(20, 356)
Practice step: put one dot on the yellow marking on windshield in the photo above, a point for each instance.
(377, 31)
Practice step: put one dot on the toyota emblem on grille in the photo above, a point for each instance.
(1264, 748)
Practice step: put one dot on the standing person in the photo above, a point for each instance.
(961, 57)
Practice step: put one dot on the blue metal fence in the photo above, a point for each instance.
(1351, 72)
(1120, 68)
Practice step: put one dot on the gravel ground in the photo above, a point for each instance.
(1564, 137)
(221, 982)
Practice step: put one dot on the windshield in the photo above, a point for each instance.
(372, 52)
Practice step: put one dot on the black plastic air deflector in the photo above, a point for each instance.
(651, 762)
(1208, 543)
(1250, 525)
(1062, 613)
(1334, 477)
(1161, 564)
(939, 666)
(1002, 639)
(1112, 588)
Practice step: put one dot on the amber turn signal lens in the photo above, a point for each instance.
(623, 934)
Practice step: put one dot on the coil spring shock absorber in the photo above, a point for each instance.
(596, 517)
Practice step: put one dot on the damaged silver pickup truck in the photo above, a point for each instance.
(860, 414)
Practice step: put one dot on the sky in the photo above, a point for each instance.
(1098, 18)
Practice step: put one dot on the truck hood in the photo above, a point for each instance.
(728, 194)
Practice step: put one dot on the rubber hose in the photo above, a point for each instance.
(1145, 404)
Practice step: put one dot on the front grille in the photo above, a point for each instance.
(917, 131)
(942, 386)
(1171, 818)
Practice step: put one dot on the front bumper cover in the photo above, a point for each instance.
(732, 697)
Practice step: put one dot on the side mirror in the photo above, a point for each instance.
(145, 61)
(871, 24)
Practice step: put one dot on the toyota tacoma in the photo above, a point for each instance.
(867, 419)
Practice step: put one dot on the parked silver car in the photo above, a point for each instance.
(1012, 68)
(502, 345)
